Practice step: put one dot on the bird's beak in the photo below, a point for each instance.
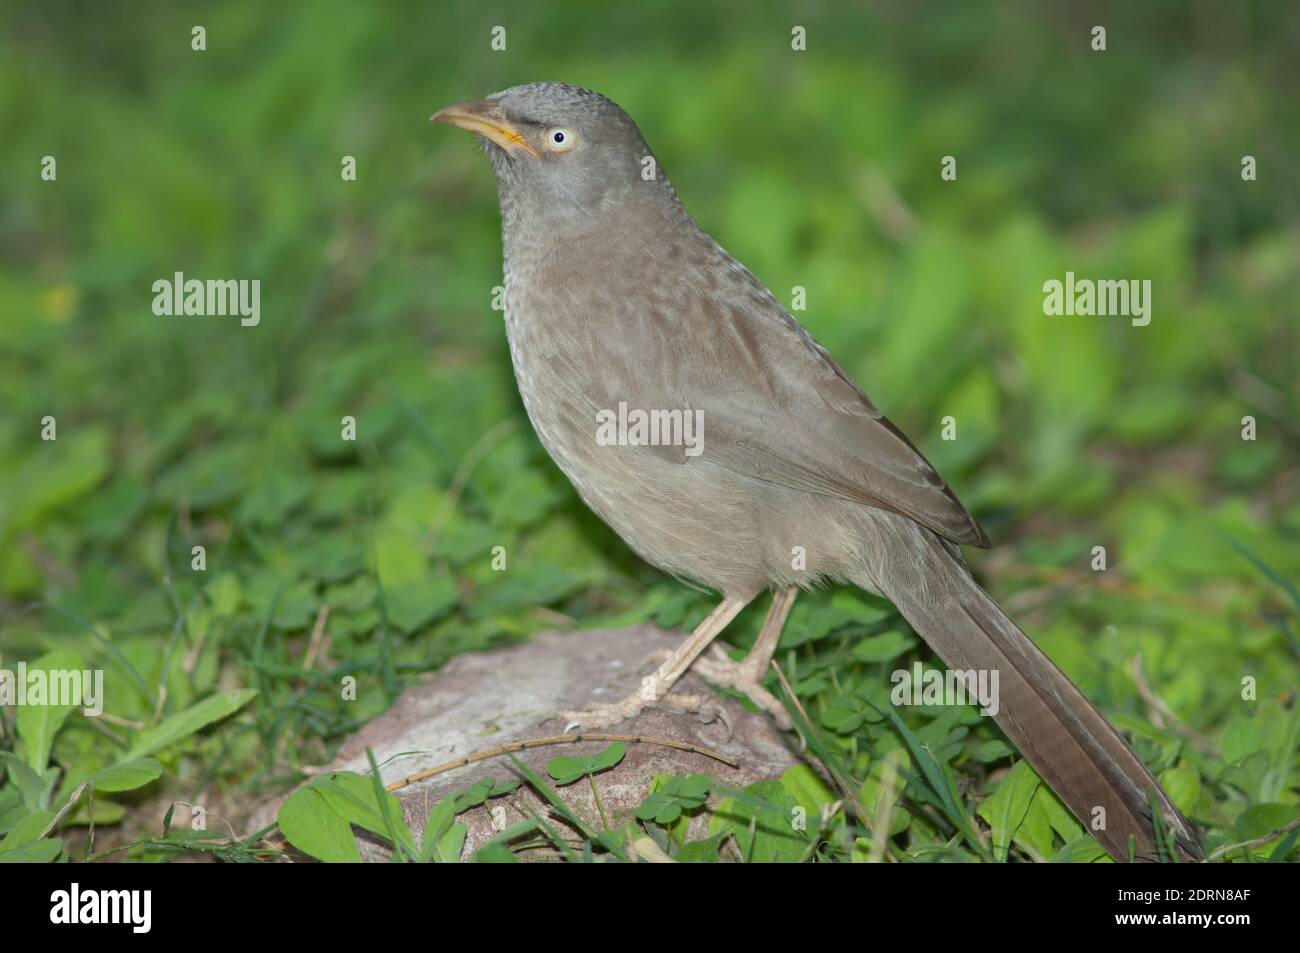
(484, 118)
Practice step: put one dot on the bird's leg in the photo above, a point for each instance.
(747, 675)
(656, 685)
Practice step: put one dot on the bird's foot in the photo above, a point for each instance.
(744, 677)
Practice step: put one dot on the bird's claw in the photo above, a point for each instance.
(717, 667)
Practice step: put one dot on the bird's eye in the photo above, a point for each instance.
(560, 139)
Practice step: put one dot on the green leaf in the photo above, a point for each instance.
(391, 812)
(452, 844)
(845, 714)
(126, 775)
(938, 776)
(609, 757)
(353, 596)
(27, 830)
(436, 827)
(1006, 807)
(494, 852)
(38, 724)
(310, 824)
(12, 812)
(41, 851)
(1183, 785)
(807, 788)
(186, 723)
(566, 770)
(883, 647)
(415, 604)
(670, 798)
(524, 588)
(548, 793)
(34, 789)
(1260, 820)
(1082, 850)
(700, 851)
(482, 790)
(995, 749)
(660, 808)
(70, 467)
(1035, 832)
(1063, 822)
(1243, 737)
(225, 594)
(286, 602)
(814, 618)
(760, 817)
(352, 797)
(105, 812)
(1284, 848)
(897, 761)
(398, 559)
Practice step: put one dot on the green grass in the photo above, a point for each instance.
(819, 170)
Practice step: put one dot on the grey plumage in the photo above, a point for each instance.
(614, 295)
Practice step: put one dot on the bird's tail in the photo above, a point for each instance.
(1059, 732)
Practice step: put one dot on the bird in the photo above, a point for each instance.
(628, 324)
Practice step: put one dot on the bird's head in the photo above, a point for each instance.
(558, 147)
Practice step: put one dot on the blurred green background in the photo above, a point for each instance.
(818, 169)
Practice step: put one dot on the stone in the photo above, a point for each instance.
(486, 699)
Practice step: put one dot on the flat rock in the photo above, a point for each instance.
(481, 700)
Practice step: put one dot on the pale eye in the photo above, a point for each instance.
(560, 139)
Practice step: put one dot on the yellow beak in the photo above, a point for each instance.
(483, 118)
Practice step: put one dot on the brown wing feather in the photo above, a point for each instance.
(805, 424)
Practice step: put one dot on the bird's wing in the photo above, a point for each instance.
(777, 407)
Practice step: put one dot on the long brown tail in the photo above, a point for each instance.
(1060, 733)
